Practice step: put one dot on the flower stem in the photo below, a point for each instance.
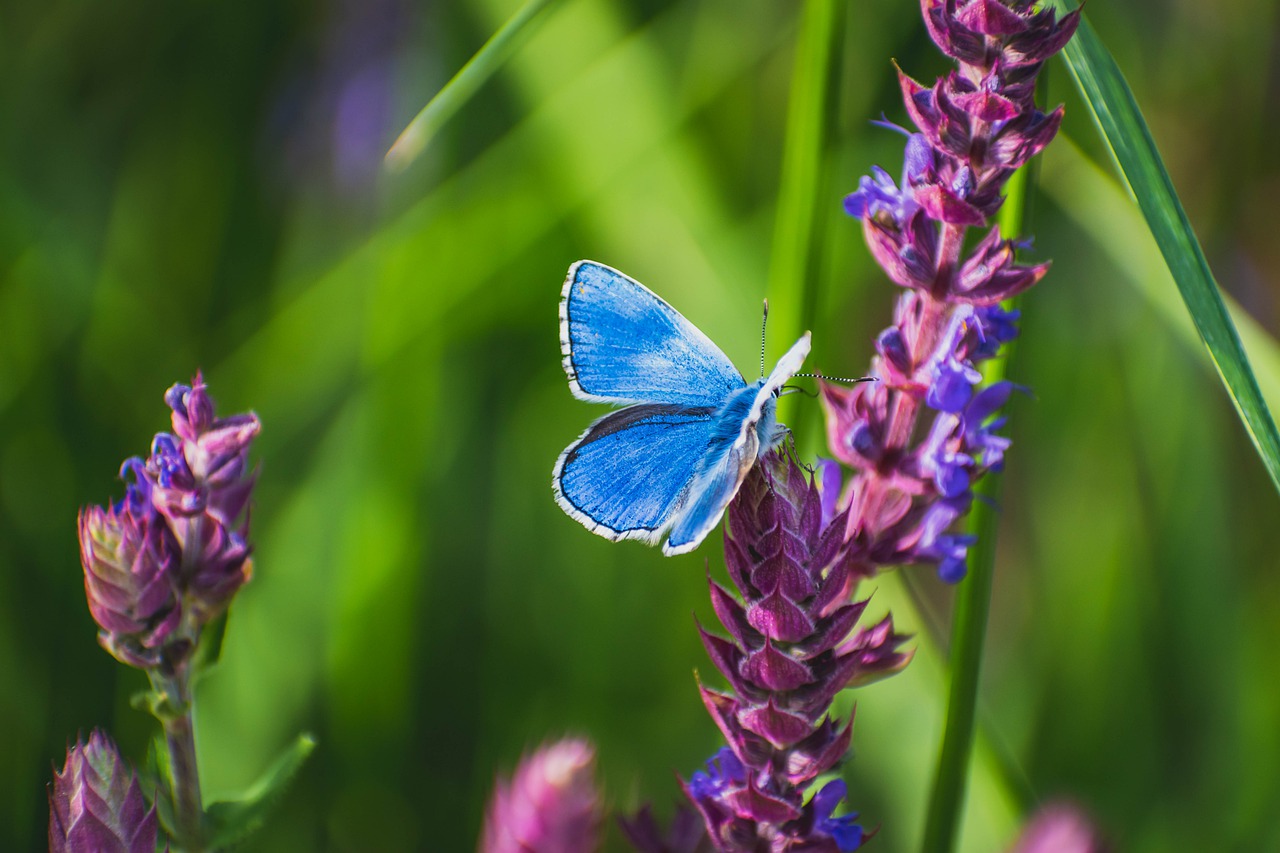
(803, 205)
(188, 808)
(969, 626)
(177, 716)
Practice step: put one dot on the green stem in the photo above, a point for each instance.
(188, 807)
(491, 56)
(969, 627)
(176, 715)
(803, 199)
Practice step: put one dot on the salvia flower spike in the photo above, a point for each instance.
(96, 803)
(168, 557)
(793, 645)
(973, 128)
(549, 804)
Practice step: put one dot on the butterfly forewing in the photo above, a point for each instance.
(623, 344)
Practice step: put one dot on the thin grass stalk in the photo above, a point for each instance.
(1125, 130)
(798, 237)
(462, 86)
(972, 607)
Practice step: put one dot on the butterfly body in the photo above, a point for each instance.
(691, 429)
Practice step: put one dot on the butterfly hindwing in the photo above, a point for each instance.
(626, 477)
(714, 486)
(621, 343)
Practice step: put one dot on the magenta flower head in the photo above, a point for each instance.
(96, 804)
(550, 804)
(129, 560)
(974, 127)
(794, 644)
(1059, 828)
(201, 484)
(168, 557)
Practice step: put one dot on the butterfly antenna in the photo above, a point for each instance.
(764, 322)
(837, 378)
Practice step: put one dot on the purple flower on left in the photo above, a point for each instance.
(96, 803)
(549, 805)
(167, 558)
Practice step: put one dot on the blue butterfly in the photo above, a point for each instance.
(692, 427)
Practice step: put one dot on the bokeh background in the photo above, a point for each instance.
(199, 185)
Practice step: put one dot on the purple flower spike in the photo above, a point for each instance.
(96, 803)
(549, 804)
(793, 646)
(169, 557)
(973, 128)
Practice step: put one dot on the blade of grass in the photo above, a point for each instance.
(972, 606)
(1125, 130)
(797, 236)
(479, 68)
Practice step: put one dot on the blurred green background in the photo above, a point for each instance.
(199, 185)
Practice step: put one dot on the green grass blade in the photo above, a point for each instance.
(1125, 130)
(797, 236)
(491, 56)
(972, 606)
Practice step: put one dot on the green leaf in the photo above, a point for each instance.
(209, 651)
(479, 68)
(155, 703)
(1126, 132)
(157, 780)
(231, 821)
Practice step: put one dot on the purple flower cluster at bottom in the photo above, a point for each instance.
(96, 803)
(793, 645)
(549, 804)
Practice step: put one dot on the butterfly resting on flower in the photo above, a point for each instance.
(692, 427)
